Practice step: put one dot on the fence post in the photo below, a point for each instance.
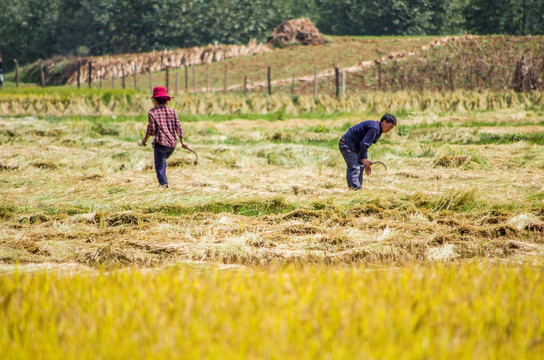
(343, 83)
(315, 82)
(293, 86)
(16, 72)
(245, 84)
(186, 77)
(90, 74)
(194, 79)
(42, 75)
(207, 77)
(135, 76)
(268, 78)
(379, 76)
(177, 82)
(451, 78)
(112, 79)
(337, 82)
(100, 77)
(150, 81)
(225, 79)
(123, 73)
(78, 73)
(490, 79)
(167, 74)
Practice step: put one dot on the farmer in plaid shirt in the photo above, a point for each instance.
(164, 125)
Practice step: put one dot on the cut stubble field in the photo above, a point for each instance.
(458, 186)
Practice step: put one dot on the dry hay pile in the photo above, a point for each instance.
(526, 75)
(107, 67)
(297, 31)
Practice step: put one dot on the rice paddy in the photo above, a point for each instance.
(260, 250)
(464, 184)
(443, 311)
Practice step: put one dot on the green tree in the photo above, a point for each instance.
(27, 29)
(518, 17)
(389, 17)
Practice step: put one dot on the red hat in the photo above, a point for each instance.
(160, 92)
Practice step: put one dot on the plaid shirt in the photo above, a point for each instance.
(164, 125)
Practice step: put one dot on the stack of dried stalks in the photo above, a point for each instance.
(107, 67)
(526, 75)
(297, 31)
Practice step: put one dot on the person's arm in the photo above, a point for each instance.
(367, 141)
(150, 129)
(179, 131)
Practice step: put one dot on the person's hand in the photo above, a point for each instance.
(184, 145)
(144, 142)
(368, 166)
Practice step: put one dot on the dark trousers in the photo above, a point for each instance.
(161, 153)
(354, 173)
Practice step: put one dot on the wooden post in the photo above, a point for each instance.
(16, 72)
(403, 77)
(194, 78)
(293, 86)
(177, 82)
(78, 73)
(450, 69)
(42, 73)
(268, 78)
(225, 79)
(245, 84)
(379, 76)
(135, 76)
(337, 82)
(343, 83)
(150, 81)
(90, 74)
(123, 74)
(186, 77)
(112, 79)
(100, 77)
(207, 77)
(315, 82)
(167, 74)
(490, 78)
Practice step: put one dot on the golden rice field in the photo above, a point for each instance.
(466, 311)
(260, 250)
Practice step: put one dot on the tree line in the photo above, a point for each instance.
(33, 29)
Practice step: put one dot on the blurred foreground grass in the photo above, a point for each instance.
(460, 311)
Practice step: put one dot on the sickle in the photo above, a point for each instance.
(379, 162)
(196, 155)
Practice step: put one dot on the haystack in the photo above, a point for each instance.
(526, 75)
(297, 31)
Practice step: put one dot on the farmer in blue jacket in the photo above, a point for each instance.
(354, 146)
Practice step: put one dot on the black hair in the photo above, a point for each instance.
(390, 119)
(161, 100)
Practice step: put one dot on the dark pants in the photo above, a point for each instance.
(161, 154)
(354, 173)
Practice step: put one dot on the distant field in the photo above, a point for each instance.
(340, 51)
(475, 63)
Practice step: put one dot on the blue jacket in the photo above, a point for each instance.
(361, 136)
